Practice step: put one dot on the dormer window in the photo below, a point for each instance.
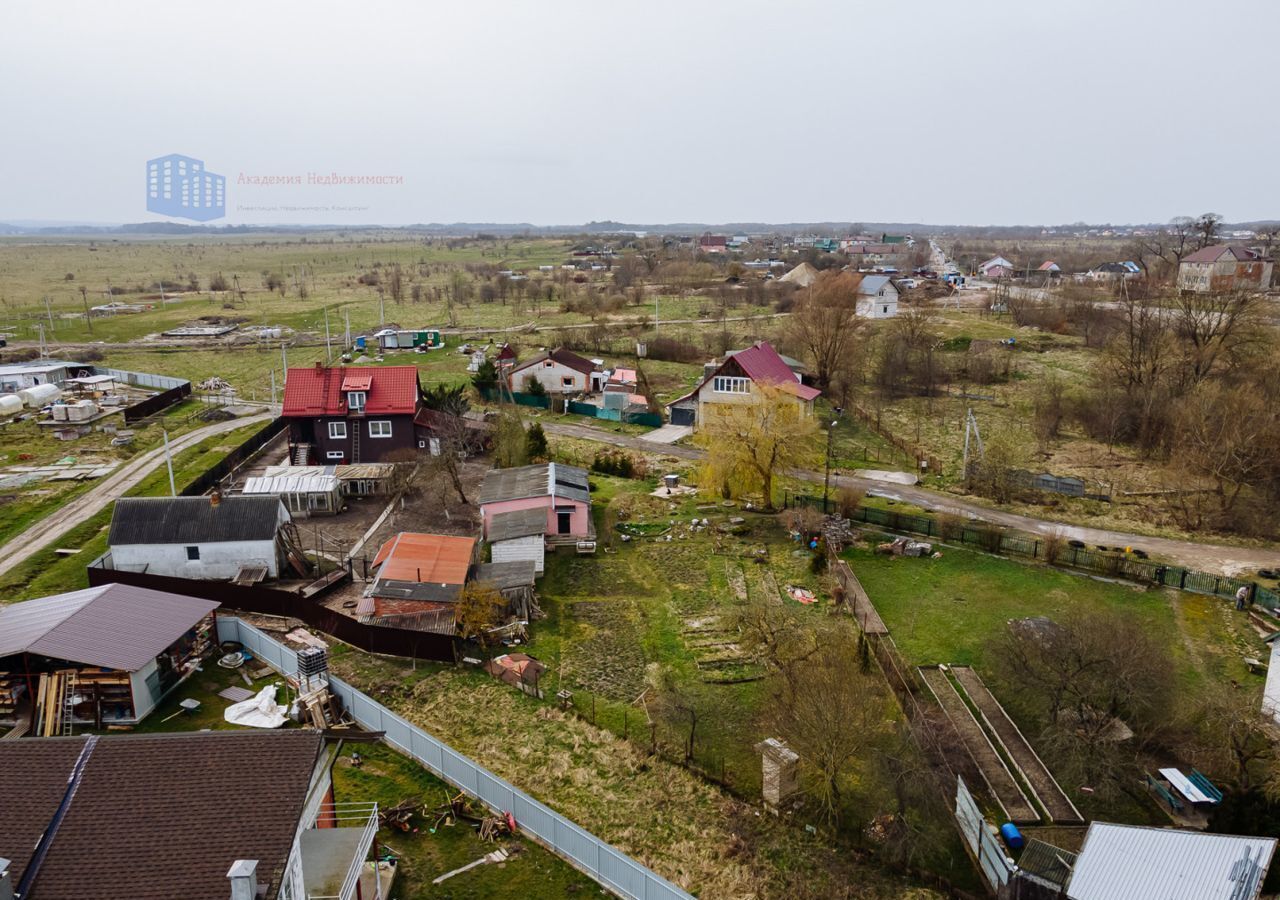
(355, 400)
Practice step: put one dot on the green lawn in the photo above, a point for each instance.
(956, 609)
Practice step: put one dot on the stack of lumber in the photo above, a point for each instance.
(51, 701)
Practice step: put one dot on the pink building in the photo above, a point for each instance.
(559, 489)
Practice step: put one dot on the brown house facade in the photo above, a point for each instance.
(344, 416)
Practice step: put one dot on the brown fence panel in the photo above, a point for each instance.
(274, 602)
(156, 402)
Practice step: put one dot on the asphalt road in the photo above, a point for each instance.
(107, 490)
(1206, 557)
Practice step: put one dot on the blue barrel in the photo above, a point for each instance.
(360, 343)
(1012, 836)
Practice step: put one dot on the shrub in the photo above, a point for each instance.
(619, 464)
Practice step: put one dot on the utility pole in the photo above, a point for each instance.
(284, 361)
(826, 483)
(273, 387)
(88, 319)
(346, 332)
(328, 348)
(168, 461)
(48, 311)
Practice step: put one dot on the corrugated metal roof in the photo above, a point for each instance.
(355, 471)
(546, 479)
(517, 524)
(194, 520)
(515, 573)
(1124, 862)
(425, 558)
(291, 484)
(117, 626)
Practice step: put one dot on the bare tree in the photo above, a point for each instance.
(830, 716)
(824, 322)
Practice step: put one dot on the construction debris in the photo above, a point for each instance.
(905, 547)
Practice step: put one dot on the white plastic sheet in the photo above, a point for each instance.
(260, 711)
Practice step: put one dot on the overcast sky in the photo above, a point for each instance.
(550, 112)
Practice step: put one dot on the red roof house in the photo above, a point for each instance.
(734, 381)
(341, 415)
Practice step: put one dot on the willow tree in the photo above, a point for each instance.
(751, 442)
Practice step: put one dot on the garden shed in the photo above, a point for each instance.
(105, 655)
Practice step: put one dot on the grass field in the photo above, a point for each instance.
(955, 610)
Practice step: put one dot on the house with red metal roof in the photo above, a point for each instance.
(418, 572)
(342, 415)
(1224, 267)
(737, 381)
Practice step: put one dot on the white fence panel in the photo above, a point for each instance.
(608, 866)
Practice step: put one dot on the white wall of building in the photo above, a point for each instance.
(217, 561)
(532, 547)
(556, 378)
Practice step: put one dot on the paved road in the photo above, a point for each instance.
(1192, 554)
(110, 488)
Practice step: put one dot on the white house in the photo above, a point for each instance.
(996, 266)
(519, 534)
(877, 297)
(198, 537)
(560, 371)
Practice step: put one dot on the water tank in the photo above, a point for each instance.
(10, 405)
(39, 395)
(1012, 836)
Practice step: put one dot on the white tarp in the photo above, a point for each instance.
(261, 711)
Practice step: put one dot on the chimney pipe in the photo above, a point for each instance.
(319, 365)
(244, 879)
(6, 882)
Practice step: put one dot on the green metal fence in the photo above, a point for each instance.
(1114, 563)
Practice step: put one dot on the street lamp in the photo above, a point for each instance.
(826, 484)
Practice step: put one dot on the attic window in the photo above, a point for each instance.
(728, 384)
(355, 400)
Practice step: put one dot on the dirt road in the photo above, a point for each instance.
(110, 488)
(1216, 558)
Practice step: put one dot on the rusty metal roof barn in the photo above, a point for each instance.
(116, 626)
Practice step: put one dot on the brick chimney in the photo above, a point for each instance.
(215, 498)
(319, 366)
(244, 879)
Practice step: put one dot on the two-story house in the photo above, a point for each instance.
(339, 415)
(737, 380)
(1224, 267)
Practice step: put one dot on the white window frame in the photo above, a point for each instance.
(334, 454)
(380, 423)
(731, 384)
(334, 428)
(356, 399)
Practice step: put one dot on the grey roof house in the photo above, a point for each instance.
(562, 492)
(118, 817)
(200, 537)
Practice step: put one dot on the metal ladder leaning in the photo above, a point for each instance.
(69, 704)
